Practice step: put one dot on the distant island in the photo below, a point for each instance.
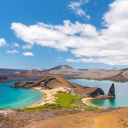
(3, 78)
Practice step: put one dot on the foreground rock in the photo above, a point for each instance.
(52, 82)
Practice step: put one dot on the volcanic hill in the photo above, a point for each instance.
(63, 70)
(51, 82)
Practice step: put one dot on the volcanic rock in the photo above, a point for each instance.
(112, 91)
(3, 78)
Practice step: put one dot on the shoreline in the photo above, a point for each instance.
(41, 102)
(85, 101)
(50, 98)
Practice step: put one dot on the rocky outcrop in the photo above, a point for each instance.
(112, 91)
(97, 92)
(110, 94)
(55, 81)
(22, 85)
(87, 91)
(3, 78)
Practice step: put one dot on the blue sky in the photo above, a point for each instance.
(79, 33)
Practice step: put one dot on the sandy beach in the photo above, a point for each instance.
(49, 95)
(85, 101)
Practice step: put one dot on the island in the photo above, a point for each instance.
(51, 85)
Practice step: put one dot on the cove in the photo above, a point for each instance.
(121, 92)
(13, 98)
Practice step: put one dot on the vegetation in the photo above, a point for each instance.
(64, 101)
(68, 100)
(43, 107)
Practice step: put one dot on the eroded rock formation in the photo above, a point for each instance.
(112, 91)
(110, 94)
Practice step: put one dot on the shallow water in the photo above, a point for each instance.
(121, 99)
(12, 98)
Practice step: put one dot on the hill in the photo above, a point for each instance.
(31, 73)
(99, 74)
(64, 70)
(52, 82)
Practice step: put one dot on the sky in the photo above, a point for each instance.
(37, 34)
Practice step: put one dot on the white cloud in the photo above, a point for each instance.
(28, 54)
(13, 51)
(109, 45)
(76, 7)
(2, 42)
(15, 45)
(28, 46)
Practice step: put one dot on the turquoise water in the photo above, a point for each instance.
(121, 99)
(12, 98)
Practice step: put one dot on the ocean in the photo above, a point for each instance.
(121, 99)
(13, 98)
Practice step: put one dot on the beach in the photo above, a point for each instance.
(85, 101)
(49, 95)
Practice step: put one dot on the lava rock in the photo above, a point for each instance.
(112, 91)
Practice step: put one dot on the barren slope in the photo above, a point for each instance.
(98, 74)
(110, 119)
